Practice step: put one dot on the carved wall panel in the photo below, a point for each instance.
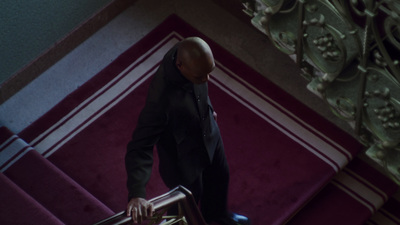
(349, 50)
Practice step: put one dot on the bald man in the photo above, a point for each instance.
(179, 120)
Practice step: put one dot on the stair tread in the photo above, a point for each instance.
(15, 202)
(12, 147)
(389, 213)
(61, 195)
(352, 197)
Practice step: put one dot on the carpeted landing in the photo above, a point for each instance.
(288, 165)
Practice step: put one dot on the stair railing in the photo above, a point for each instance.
(189, 213)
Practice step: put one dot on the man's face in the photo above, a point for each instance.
(198, 73)
(196, 77)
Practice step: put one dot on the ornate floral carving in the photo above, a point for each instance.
(349, 51)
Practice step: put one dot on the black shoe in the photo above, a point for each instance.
(233, 219)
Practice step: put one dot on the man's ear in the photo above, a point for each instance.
(179, 64)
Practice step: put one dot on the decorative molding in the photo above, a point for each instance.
(349, 51)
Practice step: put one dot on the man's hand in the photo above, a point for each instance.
(215, 115)
(139, 209)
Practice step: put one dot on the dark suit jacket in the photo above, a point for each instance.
(178, 118)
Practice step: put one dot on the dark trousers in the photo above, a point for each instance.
(210, 189)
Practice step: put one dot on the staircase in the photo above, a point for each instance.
(358, 194)
(36, 191)
(70, 189)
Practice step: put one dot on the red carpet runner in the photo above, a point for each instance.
(281, 153)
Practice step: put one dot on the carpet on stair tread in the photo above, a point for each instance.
(352, 197)
(62, 196)
(388, 214)
(12, 148)
(17, 207)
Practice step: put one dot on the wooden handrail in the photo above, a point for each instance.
(179, 195)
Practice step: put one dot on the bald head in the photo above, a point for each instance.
(195, 59)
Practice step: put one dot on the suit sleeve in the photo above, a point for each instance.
(139, 156)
